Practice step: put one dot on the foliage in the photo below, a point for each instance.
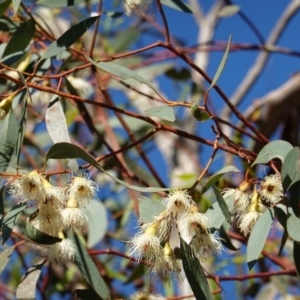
(87, 132)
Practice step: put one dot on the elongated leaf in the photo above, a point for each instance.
(280, 212)
(121, 72)
(8, 138)
(40, 237)
(178, 5)
(66, 150)
(57, 127)
(293, 227)
(225, 239)
(97, 217)
(60, 3)
(296, 255)
(290, 171)
(89, 270)
(149, 208)
(4, 6)
(9, 221)
(22, 121)
(16, 4)
(162, 112)
(4, 257)
(217, 176)
(294, 197)
(69, 37)
(276, 149)
(21, 38)
(1, 204)
(229, 10)
(27, 287)
(222, 204)
(222, 65)
(194, 272)
(258, 237)
(216, 215)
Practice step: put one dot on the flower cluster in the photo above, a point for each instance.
(151, 243)
(249, 205)
(59, 210)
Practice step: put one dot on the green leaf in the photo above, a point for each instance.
(57, 127)
(5, 257)
(179, 74)
(293, 227)
(258, 236)
(296, 251)
(40, 237)
(294, 197)
(21, 38)
(67, 150)
(69, 38)
(222, 204)
(4, 6)
(123, 40)
(229, 10)
(194, 272)
(1, 204)
(217, 176)
(290, 171)
(163, 112)
(97, 218)
(22, 121)
(9, 129)
(138, 273)
(282, 218)
(89, 270)
(149, 208)
(60, 3)
(27, 287)
(225, 239)
(178, 5)
(16, 4)
(216, 215)
(199, 115)
(9, 220)
(221, 66)
(276, 149)
(121, 72)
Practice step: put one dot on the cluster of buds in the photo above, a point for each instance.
(59, 210)
(248, 207)
(151, 243)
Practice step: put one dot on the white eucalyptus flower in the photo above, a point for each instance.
(74, 218)
(131, 5)
(145, 246)
(144, 295)
(167, 265)
(206, 244)
(271, 189)
(190, 223)
(178, 202)
(241, 200)
(28, 187)
(82, 189)
(62, 251)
